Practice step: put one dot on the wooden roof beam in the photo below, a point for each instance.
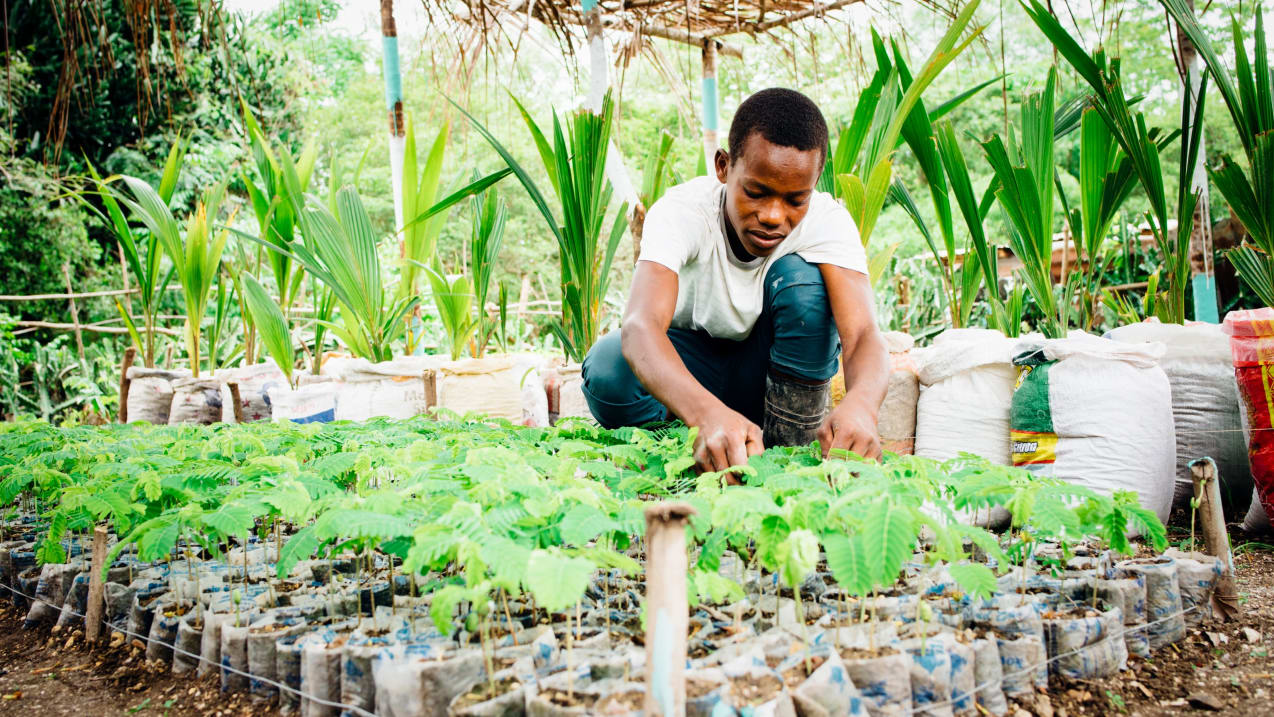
(682, 35)
(760, 27)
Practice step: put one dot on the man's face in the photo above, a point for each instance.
(767, 191)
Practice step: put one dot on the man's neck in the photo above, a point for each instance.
(732, 237)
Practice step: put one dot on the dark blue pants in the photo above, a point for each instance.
(795, 335)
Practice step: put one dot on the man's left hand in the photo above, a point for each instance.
(851, 426)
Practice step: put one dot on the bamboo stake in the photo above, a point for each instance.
(1207, 491)
(238, 402)
(96, 604)
(430, 377)
(75, 311)
(667, 609)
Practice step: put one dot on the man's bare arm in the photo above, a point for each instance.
(726, 438)
(852, 425)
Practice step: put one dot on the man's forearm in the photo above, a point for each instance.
(661, 371)
(867, 370)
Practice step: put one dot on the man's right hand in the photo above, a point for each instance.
(725, 439)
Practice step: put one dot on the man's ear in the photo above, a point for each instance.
(721, 162)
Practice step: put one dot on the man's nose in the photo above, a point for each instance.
(771, 214)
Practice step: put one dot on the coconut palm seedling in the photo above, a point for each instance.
(868, 144)
(453, 298)
(1142, 146)
(485, 240)
(575, 163)
(277, 194)
(419, 193)
(195, 252)
(1248, 94)
(268, 318)
(143, 255)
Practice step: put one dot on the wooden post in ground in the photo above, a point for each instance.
(711, 141)
(96, 603)
(430, 377)
(667, 609)
(238, 402)
(130, 355)
(1207, 492)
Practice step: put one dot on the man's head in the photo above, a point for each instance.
(778, 143)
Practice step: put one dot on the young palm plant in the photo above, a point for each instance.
(485, 240)
(278, 196)
(196, 256)
(1024, 177)
(575, 163)
(1249, 96)
(269, 320)
(1142, 146)
(454, 300)
(142, 255)
(1105, 180)
(420, 191)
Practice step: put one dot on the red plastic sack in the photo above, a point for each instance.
(1252, 346)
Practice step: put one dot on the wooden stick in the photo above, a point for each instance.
(75, 311)
(130, 355)
(667, 609)
(56, 297)
(238, 403)
(1207, 491)
(430, 377)
(87, 327)
(96, 604)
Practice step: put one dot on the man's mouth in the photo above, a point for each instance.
(765, 239)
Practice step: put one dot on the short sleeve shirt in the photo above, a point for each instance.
(717, 292)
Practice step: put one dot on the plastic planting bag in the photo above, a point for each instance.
(1164, 621)
(189, 644)
(1252, 348)
(827, 691)
(883, 679)
(421, 680)
(1129, 595)
(1097, 413)
(1085, 643)
(1197, 576)
(150, 394)
(1205, 405)
(930, 670)
(966, 395)
(988, 674)
(195, 400)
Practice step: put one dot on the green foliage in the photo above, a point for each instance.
(575, 163)
(454, 300)
(270, 322)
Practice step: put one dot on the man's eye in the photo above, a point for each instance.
(753, 194)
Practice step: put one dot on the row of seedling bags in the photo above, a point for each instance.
(355, 638)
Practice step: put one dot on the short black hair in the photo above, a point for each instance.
(783, 117)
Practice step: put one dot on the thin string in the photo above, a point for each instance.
(340, 705)
(1030, 670)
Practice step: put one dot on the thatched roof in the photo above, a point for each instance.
(681, 20)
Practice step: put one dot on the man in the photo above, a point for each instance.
(747, 286)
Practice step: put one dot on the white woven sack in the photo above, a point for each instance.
(313, 401)
(150, 394)
(571, 401)
(489, 387)
(196, 401)
(966, 393)
(393, 389)
(253, 383)
(1205, 402)
(1111, 408)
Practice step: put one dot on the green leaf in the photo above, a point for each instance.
(976, 580)
(301, 546)
(557, 581)
(888, 532)
(443, 607)
(847, 558)
(798, 556)
(583, 523)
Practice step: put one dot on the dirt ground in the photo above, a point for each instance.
(1224, 668)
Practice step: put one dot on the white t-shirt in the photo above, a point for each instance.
(716, 292)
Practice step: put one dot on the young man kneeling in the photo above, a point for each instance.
(748, 286)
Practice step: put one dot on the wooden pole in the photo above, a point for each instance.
(96, 604)
(130, 355)
(430, 377)
(1207, 493)
(1203, 273)
(75, 312)
(394, 104)
(667, 609)
(710, 105)
(235, 398)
